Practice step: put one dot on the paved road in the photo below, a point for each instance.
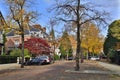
(57, 71)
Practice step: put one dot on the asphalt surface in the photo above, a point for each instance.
(60, 70)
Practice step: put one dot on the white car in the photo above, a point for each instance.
(95, 58)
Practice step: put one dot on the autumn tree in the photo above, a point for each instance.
(91, 40)
(75, 11)
(37, 46)
(52, 24)
(21, 17)
(65, 45)
(4, 29)
(73, 43)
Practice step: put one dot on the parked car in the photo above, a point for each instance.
(95, 58)
(40, 60)
(70, 58)
(45, 59)
(35, 61)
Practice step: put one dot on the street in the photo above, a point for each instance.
(57, 71)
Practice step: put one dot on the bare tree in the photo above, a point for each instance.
(21, 17)
(73, 10)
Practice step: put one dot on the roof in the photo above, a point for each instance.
(26, 32)
(38, 27)
(34, 29)
(12, 33)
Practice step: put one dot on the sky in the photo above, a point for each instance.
(111, 6)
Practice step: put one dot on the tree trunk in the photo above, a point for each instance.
(54, 52)
(78, 39)
(87, 53)
(78, 49)
(22, 55)
(67, 55)
(22, 39)
(3, 52)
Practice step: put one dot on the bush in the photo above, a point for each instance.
(27, 58)
(17, 52)
(117, 57)
(111, 55)
(56, 57)
(8, 59)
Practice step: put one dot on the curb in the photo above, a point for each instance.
(90, 72)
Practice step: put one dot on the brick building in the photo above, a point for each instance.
(13, 40)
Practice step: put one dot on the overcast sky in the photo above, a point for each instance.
(111, 6)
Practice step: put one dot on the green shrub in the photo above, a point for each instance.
(27, 58)
(17, 52)
(111, 55)
(56, 57)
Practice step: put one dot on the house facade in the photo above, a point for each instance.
(13, 39)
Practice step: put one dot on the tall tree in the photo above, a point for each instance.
(91, 40)
(73, 43)
(52, 33)
(3, 28)
(114, 29)
(21, 17)
(113, 36)
(65, 45)
(73, 10)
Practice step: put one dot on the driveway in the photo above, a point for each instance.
(59, 71)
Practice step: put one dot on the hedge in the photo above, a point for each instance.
(8, 59)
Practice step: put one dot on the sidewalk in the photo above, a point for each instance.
(111, 67)
(9, 66)
(96, 67)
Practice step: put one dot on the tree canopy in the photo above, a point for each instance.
(114, 29)
(91, 40)
(37, 46)
(20, 16)
(113, 36)
(65, 44)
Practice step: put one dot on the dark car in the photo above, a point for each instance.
(70, 58)
(46, 59)
(35, 61)
(39, 60)
(32, 62)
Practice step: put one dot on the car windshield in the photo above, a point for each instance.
(43, 57)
